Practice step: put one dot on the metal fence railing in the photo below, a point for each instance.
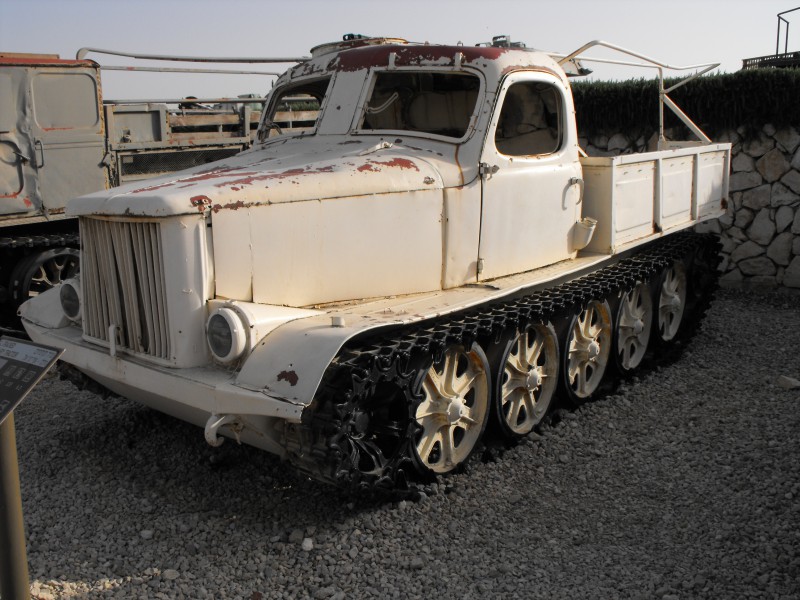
(788, 60)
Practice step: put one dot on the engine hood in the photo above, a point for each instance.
(278, 173)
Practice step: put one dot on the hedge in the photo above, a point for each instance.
(748, 99)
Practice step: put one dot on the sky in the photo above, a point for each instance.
(677, 32)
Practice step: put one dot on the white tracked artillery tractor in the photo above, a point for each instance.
(428, 252)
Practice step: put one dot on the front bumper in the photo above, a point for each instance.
(197, 395)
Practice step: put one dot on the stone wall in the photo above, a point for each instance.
(761, 231)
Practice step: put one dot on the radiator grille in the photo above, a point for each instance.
(122, 274)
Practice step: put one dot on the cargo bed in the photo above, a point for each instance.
(636, 195)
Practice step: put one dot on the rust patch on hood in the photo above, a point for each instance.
(238, 177)
(395, 163)
(252, 177)
(152, 188)
(289, 376)
(232, 206)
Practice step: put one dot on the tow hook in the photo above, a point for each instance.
(215, 422)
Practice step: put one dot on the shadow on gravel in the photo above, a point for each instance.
(165, 462)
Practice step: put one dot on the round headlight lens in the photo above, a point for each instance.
(70, 300)
(220, 336)
(226, 335)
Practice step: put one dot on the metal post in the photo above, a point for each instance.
(778, 41)
(13, 560)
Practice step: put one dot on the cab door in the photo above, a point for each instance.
(68, 133)
(17, 175)
(531, 172)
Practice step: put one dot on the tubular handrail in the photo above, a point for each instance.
(650, 63)
(653, 62)
(187, 70)
(81, 54)
(258, 100)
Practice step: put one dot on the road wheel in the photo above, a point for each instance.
(453, 408)
(671, 300)
(632, 327)
(524, 366)
(587, 349)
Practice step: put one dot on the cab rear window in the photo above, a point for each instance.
(433, 102)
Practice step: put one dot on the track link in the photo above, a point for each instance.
(54, 240)
(359, 432)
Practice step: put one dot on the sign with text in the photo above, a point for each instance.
(22, 365)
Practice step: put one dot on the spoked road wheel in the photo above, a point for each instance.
(453, 409)
(671, 298)
(525, 373)
(632, 327)
(587, 349)
(41, 271)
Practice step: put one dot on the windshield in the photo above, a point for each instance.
(429, 102)
(294, 108)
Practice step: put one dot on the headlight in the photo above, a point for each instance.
(226, 335)
(70, 295)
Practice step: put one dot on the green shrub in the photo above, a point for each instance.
(716, 103)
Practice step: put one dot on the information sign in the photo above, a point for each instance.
(22, 365)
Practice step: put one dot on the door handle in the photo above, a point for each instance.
(580, 184)
(39, 149)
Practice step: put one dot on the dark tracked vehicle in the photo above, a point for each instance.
(363, 296)
(60, 138)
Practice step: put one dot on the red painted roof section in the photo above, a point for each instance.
(369, 56)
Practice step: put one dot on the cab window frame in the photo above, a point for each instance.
(528, 127)
(267, 125)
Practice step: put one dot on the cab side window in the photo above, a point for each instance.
(530, 121)
(294, 109)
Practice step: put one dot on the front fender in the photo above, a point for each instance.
(289, 362)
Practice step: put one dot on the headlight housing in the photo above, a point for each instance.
(71, 299)
(226, 335)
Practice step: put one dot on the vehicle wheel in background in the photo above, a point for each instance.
(43, 270)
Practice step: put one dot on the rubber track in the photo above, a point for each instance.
(332, 444)
(55, 240)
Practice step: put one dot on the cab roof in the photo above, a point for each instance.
(366, 53)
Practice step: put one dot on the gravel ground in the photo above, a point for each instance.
(683, 483)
